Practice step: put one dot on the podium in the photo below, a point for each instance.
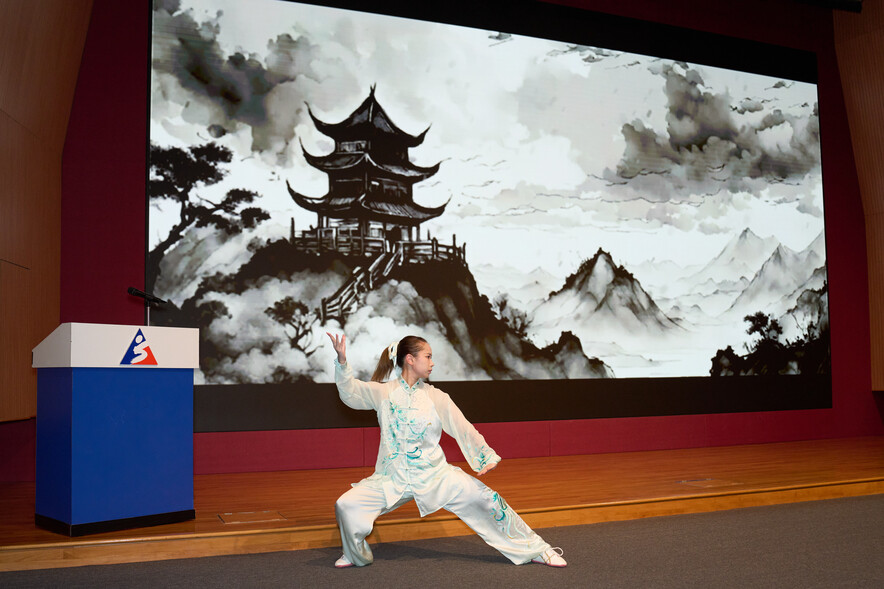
(114, 427)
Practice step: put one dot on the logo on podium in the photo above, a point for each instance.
(139, 353)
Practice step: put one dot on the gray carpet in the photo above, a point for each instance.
(825, 544)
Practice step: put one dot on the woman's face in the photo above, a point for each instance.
(422, 363)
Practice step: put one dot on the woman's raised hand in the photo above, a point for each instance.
(339, 342)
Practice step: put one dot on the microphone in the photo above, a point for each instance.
(146, 296)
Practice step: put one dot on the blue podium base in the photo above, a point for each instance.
(114, 448)
(143, 521)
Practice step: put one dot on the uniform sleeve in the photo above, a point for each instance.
(472, 444)
(354, 393)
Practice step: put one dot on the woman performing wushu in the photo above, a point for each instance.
(412, 415)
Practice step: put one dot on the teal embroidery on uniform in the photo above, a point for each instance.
(392, 434)
(482, 458)
(508, 522)
(418, 433)
(409, 389)
(392, 429)
(477, 458)
(404, 429)
(501, 514)
(388, 459)
(401, 419)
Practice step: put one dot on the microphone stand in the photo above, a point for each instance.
(148, 300)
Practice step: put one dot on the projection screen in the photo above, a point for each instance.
(626, 216)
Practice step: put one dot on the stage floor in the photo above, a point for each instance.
(271, 511)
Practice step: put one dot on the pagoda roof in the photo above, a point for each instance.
(368, 121)
(361, 207)
(345, 161)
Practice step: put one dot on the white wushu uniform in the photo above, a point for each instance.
(411, 465)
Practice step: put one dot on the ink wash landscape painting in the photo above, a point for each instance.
(535, 209)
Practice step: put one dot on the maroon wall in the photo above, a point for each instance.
(103, 170)
(103, 229)
(18, 443)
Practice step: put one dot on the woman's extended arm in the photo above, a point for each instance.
(472, 444)
(354, 393)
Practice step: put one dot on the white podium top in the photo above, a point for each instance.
(98, 345)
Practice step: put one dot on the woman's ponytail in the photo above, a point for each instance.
(384, 367)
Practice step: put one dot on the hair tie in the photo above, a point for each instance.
(391, 351)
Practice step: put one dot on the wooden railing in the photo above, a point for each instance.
(336, 239)
(345, 299)
(421, 251)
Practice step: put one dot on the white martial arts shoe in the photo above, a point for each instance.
(343, 563)
(552, 557)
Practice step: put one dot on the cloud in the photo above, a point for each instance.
(587, 53)
(530, 132)
(371, 328)
(707, 147)
(748, 105)
(224, 91)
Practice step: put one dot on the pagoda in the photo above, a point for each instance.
(370, 176)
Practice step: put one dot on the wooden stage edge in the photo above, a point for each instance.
(806, 471)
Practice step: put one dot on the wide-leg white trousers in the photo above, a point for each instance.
(475, 504)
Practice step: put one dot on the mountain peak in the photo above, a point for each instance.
(748, 234)
(594, 274)
(783, 252)
(602, 298)
(742, 256)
